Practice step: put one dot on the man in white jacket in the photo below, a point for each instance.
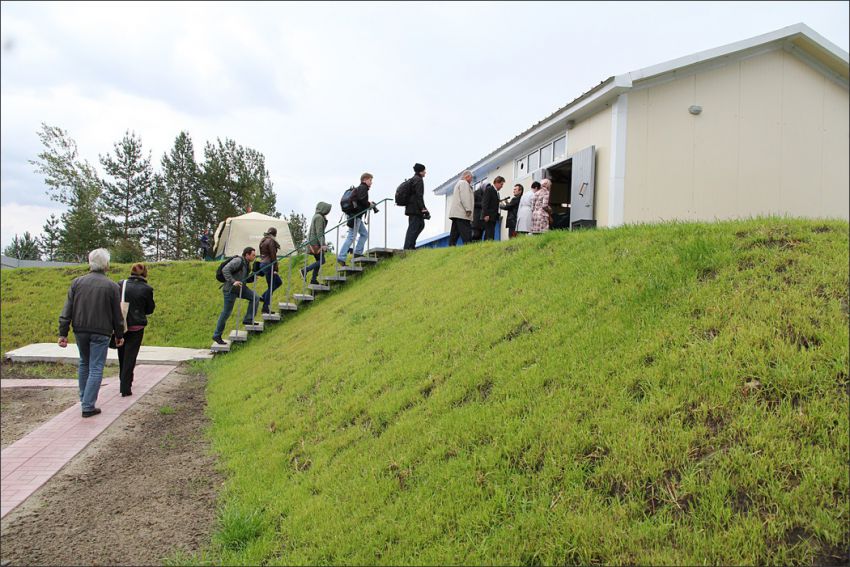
(460, 210)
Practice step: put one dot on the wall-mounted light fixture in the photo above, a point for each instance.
(695, 109)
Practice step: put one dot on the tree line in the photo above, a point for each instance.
(138, 211)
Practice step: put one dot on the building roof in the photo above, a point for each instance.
(9, 262)
(799, 39)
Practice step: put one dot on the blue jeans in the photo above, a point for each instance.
(314, 267)
(359, 227)
(93, 348)
(266, 297)
(230, 298)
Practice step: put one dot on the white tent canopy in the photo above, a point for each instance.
(235, 233)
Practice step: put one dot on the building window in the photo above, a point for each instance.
(546, 155)
(560, 147)
(534, 161)
(521, 168)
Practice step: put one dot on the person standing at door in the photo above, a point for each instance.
(415, 209)
(540, 208)
(460, 210)
(512, 207)
(140, 297)
(523, 216)
(490, 207)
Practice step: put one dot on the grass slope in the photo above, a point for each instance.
(658, 394)
(188, 302)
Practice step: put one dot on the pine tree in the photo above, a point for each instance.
(82, 228)
(50, 237)
(23, 248)
(182, 186)
(298, 228)
(126, 197)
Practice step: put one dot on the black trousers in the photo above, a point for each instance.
(461, 228)
(489, 230)
(415, 225)
(127, 354)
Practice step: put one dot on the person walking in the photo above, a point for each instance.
(139, 295)
(540, 208)
(490, 207)
(523, 216)
(415, 209)
(206, 247)
(269, 247)
(512, 207)
(356, 221)
(460, 210)
(93, 308)
(236, 274)
(316, 241)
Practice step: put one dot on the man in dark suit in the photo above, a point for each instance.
(490, 207)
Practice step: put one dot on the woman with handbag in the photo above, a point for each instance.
(139, 297)
(316, 241)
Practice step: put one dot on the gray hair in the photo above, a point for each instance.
(465, 173)
(99, 260)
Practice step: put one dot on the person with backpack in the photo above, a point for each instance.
(356, 202)
(316, 241)
(490, 207)
(139, 295)
(235, 273)
(460, 210)
(269, 247)
(415, 208)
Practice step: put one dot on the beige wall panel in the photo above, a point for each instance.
(596, 131)
(836, 148)
(801, 184)
(670, 150)
(760, 133)
(637, 201)
(716, 142)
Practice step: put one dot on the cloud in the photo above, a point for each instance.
(17, 219)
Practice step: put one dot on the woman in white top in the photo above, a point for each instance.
(523, 217)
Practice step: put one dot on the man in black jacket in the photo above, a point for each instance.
(477, 223)
(415, 209)
(236, 273)
(93, 307)
(356, 224)
(513, 208)
(490, 207)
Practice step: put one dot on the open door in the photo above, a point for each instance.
(582, 186)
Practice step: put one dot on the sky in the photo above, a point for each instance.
(327, 91)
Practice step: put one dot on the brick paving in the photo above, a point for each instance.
(31, 461)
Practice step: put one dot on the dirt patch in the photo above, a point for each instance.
(24, 409)
(142, 491)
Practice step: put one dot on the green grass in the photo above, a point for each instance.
(167, 410)
(670, 394)
(48, 370)
(188, 301)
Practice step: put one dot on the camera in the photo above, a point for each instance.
(426, 215)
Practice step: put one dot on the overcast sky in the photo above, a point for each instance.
(327, 91)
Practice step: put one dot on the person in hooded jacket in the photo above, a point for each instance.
(316, 241)
(356, 221)
(269, 247)
(140, 297)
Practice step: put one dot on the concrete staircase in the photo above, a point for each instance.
(302, 300)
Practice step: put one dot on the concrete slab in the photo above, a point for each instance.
(51, 352)
(47, 382)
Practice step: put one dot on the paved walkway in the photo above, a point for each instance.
(47, 383)
(31, 461)
(52, 352)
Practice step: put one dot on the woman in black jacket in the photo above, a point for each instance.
(135, 291)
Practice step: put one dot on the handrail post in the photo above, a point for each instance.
(238, 313)
(289, 280)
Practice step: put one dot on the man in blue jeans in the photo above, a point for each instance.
(93, 307)
(237, 273)
(356, 224)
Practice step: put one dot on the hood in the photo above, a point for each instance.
(323, 208)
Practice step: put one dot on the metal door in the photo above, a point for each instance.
(583, 186)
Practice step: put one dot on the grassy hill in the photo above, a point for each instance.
(672, 394)
(188, 301)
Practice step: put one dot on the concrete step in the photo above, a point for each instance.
(257, 327)
(303, 297)
(216, 348)
(381, 252)
(238, 336)
(271, 317)
(365, 260)
(287, 306)
(349, 269)
(334, 279)
(319, 287)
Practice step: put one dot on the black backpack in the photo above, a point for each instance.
(347, 201)
(402, 194)
(218, 274)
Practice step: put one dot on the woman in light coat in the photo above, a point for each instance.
(523, 217)
(540, 209)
